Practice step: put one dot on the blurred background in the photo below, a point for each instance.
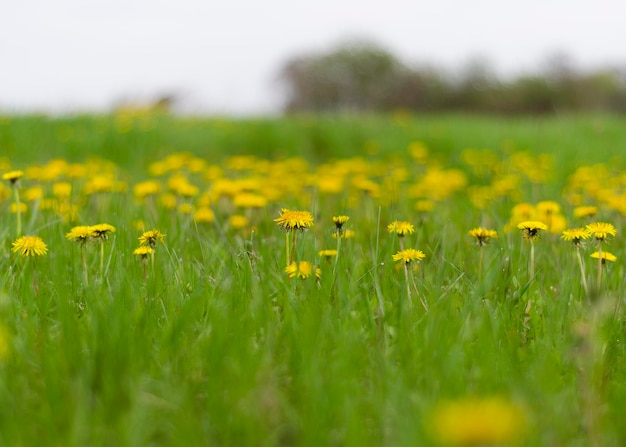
(245, 57)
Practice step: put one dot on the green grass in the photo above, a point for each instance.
(219, 347)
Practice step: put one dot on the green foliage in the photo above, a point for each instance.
(219, 347)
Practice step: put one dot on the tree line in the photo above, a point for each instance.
(366, 77)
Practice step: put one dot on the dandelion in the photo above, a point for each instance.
(406, 257)
(530, 232)
(100, 233)
(491, 421)
(29, 246)
(293, 220)
(13, 177)
(151, 237)
(409, 255)
(302, 270)
(601, 230)
(401, 228)
(81, 234)
(585, 212)
(483, 236)
(604, 256)
(327, 253)
(576, 236)
(346, 234)
(143, 251)
(339, 221)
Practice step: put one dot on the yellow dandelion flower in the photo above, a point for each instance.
(146, 189)
(327, 253)
(301, 270)
(249, 200)
(584, 212)
(604, 255)
(143, 251)
(204, 215)
(62, 190)
(548, 207)
(601, 230)
(21, 208)
(185, 208)
(477, 421)
(482, 235)
(424, 206)
(150, 238)
(345, 234)
(294, 220)
(340, 221)
(101, 231)
(29, 246)
(531, 228)
(80, 234)
(238, 221)
(13, 176)
(401, 228)
(575, 235)
(409, 255)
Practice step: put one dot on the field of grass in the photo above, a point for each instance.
(209, 341)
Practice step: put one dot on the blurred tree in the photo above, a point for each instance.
(355, 76)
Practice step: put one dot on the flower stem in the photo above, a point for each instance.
(287, 248)
(599, 267)
(480, 262)
(582, 271)
(18, 210)
(85, 274)
(532, 260)
(408, 286)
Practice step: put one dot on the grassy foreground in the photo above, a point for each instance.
(209, 341)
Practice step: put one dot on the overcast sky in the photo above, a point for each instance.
(223, 56)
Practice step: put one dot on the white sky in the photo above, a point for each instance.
(223, 56)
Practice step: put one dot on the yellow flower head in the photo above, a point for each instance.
(150, 238)
(80, 234)
(531, 228)
(29, 246)
(601, 230)
(238, 221)
(482, 235)
(302, 270)
(345, 234)
(143, 251)
(409, 255)
(605, 256)
(575, 235)
(294, 220)
(13, 176)
(401, 228)
(204, 215)
(101, 231)
(339, 221)
(327, 253)
(583, 212)
(477, 421)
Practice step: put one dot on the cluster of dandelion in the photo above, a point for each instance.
(598, 233)
(147, 246)
(407, 257)
(82, 234)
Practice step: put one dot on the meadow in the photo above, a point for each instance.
(312, 281)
